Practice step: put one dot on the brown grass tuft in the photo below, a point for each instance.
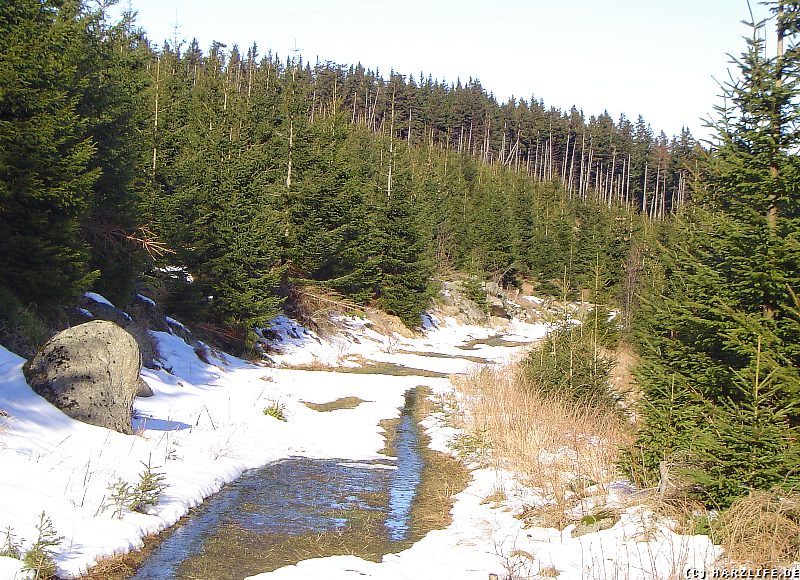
(314, 306)
(338, 404)
(122, 566)
(566, 451)
(761, 529)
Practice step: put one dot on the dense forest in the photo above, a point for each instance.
(223, 179)
(247, 174)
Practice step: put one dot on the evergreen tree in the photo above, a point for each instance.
(398, 245)
(46, 170)
(727, 328)
(112, 59)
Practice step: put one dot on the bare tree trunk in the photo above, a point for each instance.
(289, 161)
(613, 169)
(572, 167)
(550, 165)
(628, 184)
(644, 191)
(391, 151)
(155, 119)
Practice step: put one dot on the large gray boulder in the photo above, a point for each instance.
(90, 372)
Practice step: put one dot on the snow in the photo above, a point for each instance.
(199, 428)
(98, 298)
(172, 322)
(144, 298)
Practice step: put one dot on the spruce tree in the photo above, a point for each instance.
(727, 329)
(112, 59)
(46, 172)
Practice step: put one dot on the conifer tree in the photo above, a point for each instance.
(728, 326)
(112, 59)
(46, 174)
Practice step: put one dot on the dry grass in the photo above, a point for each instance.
(371, 368)
(123, 566)
(685, 514)
(387, 324)
(564, 450)
(342, 403)
(761, 529)
(622, 381)
(315, 307)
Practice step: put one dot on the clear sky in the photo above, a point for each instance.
(657, 58)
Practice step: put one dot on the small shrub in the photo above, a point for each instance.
(136, 498)
(39, 558)
(569, 363)
(119, 498)
(276, 410)
(11, 547)
(21, 330)
(473, 290)
(146, 493)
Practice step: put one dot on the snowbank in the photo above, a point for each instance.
(205, 425)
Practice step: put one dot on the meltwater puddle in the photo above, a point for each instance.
(296, 509)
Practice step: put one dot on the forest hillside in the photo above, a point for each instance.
(224, 182)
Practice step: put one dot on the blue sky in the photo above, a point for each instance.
(657, 58)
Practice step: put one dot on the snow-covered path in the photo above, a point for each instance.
(206, 425)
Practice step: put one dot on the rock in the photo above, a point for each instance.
(144, 390)
(104, 311)
(90, 372)
(145, 313)
(498, 312)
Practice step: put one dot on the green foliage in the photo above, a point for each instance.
(751, 443)
(45, 154)
(11, 547)
(719, 331)
(276, 410)
(569, 364)
(249, 174)
(119, 497)
(39, 557)
(21, 330)
(145, 494)
(111, 60)
(473, 290)
(147, 491)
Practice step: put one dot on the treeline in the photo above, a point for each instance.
(226, 179)
(616, 162)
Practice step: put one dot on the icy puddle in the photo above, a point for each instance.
(301, 508)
